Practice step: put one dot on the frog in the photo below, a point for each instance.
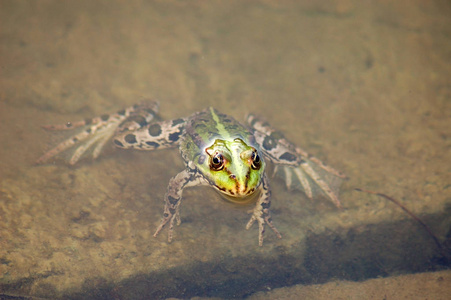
(218, 151)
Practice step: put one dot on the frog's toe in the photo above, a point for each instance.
(261, 227)
(271, 225)
(251, 221)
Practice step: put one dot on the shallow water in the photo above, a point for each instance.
(366, 88)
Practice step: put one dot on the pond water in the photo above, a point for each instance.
(365, 87)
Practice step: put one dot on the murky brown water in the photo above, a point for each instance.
(365, 87)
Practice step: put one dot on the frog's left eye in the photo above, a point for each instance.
(217, 162)
(256, 161)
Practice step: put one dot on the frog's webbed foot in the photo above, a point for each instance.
(95, 132)
(261, 225)
(299, 169)
(173, 198)
(311, 179)
(261, 213)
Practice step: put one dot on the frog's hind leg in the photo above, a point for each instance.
(157, 135)
(97, 131)
(299, 169)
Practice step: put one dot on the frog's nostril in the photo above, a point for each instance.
(232, 176)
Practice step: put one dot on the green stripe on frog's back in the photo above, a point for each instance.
(221, 130)
(204, 127)
(227, 128)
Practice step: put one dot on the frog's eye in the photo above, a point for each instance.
(256, 162)
(217, 162)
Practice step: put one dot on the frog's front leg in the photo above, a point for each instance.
(261, 213)
(298, 168)
(173, 198)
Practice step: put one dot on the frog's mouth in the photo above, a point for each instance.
(239, 198)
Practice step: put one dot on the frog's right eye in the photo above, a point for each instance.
(217, 162)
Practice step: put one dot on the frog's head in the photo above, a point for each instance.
(234, 168)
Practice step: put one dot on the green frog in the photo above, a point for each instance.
(218, 151)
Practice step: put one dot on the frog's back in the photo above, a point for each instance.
(204, 127)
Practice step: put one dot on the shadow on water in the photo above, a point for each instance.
(356, 254)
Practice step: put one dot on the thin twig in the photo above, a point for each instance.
(429, 231)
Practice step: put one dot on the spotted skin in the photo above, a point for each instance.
(157, 135)
(295, 165)
(217, 150)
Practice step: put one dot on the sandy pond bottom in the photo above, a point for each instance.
(434, 285)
